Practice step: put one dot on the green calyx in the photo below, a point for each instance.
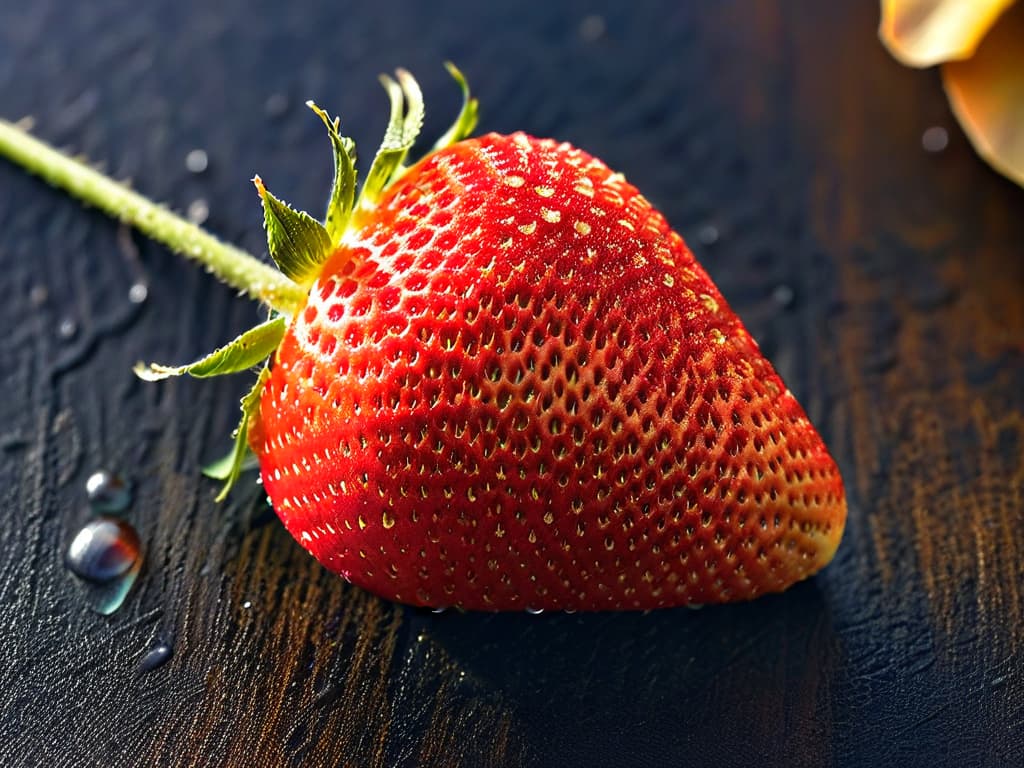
(239, 459)
(298, 243)
(250, 349)
(343, 191)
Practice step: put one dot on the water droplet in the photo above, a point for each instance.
(708, 234)
(103, 549)
(439, 609)
(198, 211)
(276, 105)
(37, 295)
(592, 28)
(535, 611)
(107, 556)
(67, 329)
(935, 139)
(138, 293)
(197, 161)
(783, 295)
(107, 492)
(155, 657)
(247, 604)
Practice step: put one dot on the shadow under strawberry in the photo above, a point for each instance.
(632, 688)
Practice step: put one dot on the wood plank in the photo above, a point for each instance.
(886, 283)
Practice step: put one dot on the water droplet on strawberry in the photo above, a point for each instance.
(535, 611)
(107, 492)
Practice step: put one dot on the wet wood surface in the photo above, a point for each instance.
(885, 282)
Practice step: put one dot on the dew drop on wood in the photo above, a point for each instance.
(138, 293)
(103, 549)
(197, 161)
(708, 234)
(935, 139)
(592, 28)
(107, 491)
(276, 105)
(67, 329)
(198, 211)
(106, 555)
(783, 296)
(156, 657)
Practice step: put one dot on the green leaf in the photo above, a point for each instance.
(403, 128)
(413, 122)
(339, 207)
(236, 459)
(468, 115)
(220, 469)
(239, 355)
(298, 243)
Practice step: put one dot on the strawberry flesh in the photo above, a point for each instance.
(513, 387)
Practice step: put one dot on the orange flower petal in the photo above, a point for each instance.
(920, 33)
(987, 95)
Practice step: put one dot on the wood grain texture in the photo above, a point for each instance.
(784, 126)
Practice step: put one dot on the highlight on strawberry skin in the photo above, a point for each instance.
(495, 378)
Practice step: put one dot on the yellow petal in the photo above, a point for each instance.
(920, 33)
(987, 95)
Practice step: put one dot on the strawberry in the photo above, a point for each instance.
(507, 384)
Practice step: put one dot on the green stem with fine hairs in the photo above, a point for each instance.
(230, 264)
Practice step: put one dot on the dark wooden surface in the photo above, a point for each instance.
(783, 125)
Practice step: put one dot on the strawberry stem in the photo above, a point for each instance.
(230, 264)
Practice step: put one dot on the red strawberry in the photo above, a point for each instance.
(512, 386)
